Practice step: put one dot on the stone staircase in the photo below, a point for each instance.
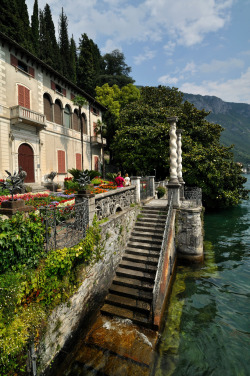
(36, 187)
(130, 295)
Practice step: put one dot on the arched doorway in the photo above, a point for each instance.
(26, 161)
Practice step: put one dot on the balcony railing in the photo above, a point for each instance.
(19, 114)
(98, 140)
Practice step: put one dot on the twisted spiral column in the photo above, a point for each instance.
(179, 155)
(173, 151)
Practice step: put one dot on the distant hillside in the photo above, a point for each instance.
(233, 117)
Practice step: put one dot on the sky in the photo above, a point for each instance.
(199, 46)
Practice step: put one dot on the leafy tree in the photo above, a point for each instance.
(141, 145)
(64, 44)
(35, 29)
(114, 99)
(115, 70)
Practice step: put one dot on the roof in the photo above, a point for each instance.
(53, 72)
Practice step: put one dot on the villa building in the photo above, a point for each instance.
(40, 127)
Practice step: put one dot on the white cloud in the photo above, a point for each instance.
(168, 80)
(232, 90)
(147, 55)
(190, 68)
(221, 65)
(169, 48)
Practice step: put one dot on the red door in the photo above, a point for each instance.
(26, 161)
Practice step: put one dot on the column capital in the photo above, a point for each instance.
(179, 131)
(172, 119)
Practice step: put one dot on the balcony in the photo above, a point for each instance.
(20, 114)
(98, 140)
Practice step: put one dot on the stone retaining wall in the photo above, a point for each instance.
(66, 319)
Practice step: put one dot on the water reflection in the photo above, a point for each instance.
(208, 317)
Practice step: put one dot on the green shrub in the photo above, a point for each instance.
(70, 184)
(111, 176)
(161, 191)
(21, 241)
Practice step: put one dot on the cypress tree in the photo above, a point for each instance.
(64, 45)
(23, 25)
(9, 18)
(88, 64)
(48, 49)
(35, 29)
(73, 61)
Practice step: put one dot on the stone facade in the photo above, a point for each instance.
(36, 110)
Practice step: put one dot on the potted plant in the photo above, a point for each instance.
(83, 180)
(14, 184)
(160, 191)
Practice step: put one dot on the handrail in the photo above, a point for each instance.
(162, 254)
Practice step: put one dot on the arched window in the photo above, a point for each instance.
(67, 117)
(58, 112)
(47, 107)
(76, 121)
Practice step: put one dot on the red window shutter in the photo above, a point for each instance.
(72, 96)
(21, 100)
(64, 92)
(61, 161)
(94, 127)
(32, 72)
(13, 61)
(96, 163)
(23, 96)
(53, 85)
(78, 161)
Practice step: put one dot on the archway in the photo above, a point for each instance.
(26, 161)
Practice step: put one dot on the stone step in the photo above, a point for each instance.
(152, 221)
(147, 234)
(143, 267)
(154, 216)
(147, 239)
(150, 226)
(142, 252)
(148, 246)
(133, 283)
(137, 317)
(141, 259)
(131, 292)
(132, 304)
(136, 274)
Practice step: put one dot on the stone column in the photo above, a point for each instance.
(173, 184)
(135, 180)
(91, 204)
(179, 163)
(152, 185)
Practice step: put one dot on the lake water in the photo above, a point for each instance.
(207, 330)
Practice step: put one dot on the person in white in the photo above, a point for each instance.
(127, 180)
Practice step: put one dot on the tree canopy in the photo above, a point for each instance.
(141, 144)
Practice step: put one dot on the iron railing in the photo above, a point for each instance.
(193, 194)
(159, 272)
(65, 226)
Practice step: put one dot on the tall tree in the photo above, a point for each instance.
(48, 49)
(23, 25)
(9, 18)
(64, 44)
(115, 70)
(73, 60)
(35, 29)
(88, 64)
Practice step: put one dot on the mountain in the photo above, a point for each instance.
(233, 117)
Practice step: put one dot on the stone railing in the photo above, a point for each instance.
(28, 116)
(192, 197)
(116, 200)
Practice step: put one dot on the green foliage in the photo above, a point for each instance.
(141, 145)
(111, 176)
(64, 47)
(28, 296)
(35, 29)
(21, 241)
(161, 191)
(72, 185)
